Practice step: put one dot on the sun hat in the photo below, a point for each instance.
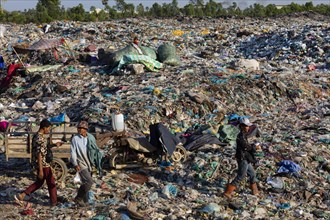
(83, 124)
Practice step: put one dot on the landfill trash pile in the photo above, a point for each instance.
(285, 93)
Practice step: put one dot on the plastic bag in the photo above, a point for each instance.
(170, 191)
(167, 55)
(77, 179)
(275, 182)
(2, 31)
(149, 52)
(118, 55)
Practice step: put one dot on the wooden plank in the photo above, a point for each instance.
(62, 155)
(18, 146)
(22, 154)
(17, 137)
(66, 129)
(18, 155)
(17, 141)
(25, 147)
(61, 150)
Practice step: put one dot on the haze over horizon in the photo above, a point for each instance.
(21, 5)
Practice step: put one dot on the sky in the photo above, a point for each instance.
(20, 5)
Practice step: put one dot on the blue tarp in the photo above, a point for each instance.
(288, 166)
(234, 117)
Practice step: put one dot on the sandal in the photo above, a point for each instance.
(18, 201)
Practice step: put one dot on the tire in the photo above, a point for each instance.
(60, 169)
(179, 155)
(116, 158)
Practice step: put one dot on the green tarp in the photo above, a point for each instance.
(131, 49)
(148, 62)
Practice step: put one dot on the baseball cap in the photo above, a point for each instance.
(245, 121)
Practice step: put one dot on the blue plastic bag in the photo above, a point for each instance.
(59, 118)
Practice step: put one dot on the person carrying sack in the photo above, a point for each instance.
(245, 159)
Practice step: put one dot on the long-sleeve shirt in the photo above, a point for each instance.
(244, 150)
(79, 154)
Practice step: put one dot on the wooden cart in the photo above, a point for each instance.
(18, 143)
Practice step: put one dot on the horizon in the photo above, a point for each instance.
(20, 5)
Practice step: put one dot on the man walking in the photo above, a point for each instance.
(84, 154)
(245, 158)
(41, 163)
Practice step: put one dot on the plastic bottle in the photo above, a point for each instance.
(118, 122)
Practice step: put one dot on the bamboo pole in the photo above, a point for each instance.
(20, 60)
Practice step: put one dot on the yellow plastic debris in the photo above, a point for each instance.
(205, 32)
(266, 30)
(178, 33)
(156, 91)
(177, 130)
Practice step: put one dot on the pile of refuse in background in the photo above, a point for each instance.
(275, 71)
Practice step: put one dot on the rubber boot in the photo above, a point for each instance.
(254, 189)
(229, 191)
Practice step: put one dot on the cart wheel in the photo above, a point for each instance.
(60, 169)
(179, 155)
(116, 158)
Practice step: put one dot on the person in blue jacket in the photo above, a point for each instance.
(84, 154)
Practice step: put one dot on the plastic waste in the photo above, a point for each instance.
(2, 31)
(153, 197)
(276, 182)
(284, 206)
(288, 166)
(290, 105)
(210, 208)
(170, 191)
(99, 217)
(77, 179)
(167, 55)
(59, 118)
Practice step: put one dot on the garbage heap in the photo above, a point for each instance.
(287, 96)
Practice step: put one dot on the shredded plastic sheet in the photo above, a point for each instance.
(148, 62)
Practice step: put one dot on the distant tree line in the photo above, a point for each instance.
(50, 10)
